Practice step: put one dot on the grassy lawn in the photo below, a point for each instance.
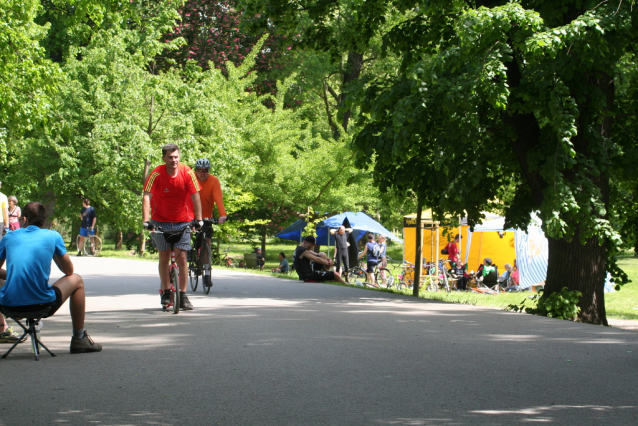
(622, 304)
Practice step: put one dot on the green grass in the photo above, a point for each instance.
(622, 304)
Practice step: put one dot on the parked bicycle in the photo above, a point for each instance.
(173, 237)
(92, 245)
(223, 259)
(381, 275)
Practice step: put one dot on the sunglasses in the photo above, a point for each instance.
(201, 171)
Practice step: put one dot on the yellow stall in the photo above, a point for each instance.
(499, 246)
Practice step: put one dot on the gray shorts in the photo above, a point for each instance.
(160, 242)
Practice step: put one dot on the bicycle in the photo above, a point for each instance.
(200, 255)
(359, 273)
(92, 245)
(224, 259)
(430, 280)
(173, 237)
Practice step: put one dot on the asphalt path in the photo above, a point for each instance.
(261, 350)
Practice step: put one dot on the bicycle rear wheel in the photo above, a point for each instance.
(193, 278)
(356, 274)
(175, 285)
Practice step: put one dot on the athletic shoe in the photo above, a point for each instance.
(84, 345)
(184, 303)
(208, 282)
(165, 298)
(10, 336)
(79, 253)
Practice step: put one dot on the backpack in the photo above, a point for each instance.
(376, 250)
(445, 250)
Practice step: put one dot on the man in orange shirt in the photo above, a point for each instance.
(210, 194)
(174, 192)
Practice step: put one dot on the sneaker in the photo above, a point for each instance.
(166, 298)
(208, 281)
(9, 336)
(10, 330)
(79, 253)
(184, 303)
(81, 346)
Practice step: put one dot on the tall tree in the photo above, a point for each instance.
(522, 95)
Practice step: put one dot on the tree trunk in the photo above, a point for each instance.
(418, 259)
(565, 269)
(263, 244)
(49, 209)
(118, 240)
(354, 66)
(75, 231)
(141, 247)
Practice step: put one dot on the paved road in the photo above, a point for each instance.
(267, 351)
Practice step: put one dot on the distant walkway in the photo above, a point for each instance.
(265, 351)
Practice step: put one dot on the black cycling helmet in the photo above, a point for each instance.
(202, 163)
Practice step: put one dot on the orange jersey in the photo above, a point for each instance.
(171, 200)
(210, 195)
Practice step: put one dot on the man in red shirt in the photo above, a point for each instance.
(210, 195)
(170, 187)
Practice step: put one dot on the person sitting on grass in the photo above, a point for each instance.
(284, 266)
(302, 263)
(261, 261)
(28, 252)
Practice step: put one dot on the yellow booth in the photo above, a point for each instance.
(489, 242)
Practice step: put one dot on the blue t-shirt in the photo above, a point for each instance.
(370, 254)
(88, 214)
(28, 253)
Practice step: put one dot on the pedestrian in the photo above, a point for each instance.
(341, 249)
(14, 213)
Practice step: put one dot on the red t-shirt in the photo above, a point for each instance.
(171, 200)
(453, 251)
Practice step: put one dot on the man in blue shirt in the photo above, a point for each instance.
(87, 228)
(28, 252)
(373, 258)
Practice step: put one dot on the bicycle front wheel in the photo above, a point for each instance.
(231, 263)
(193, 278)
(92, 245)
(175, 282)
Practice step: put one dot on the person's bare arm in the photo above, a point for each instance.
(3, 272)
(146, 206)
(5, 214)
(64, 263)
(197, 205)
(363, 253)
(349, 230)
(93, 224)
(332, 231)
(309, 255)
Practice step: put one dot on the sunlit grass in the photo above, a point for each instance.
(622, 304)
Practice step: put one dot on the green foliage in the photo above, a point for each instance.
(27, 79)
(563, 305)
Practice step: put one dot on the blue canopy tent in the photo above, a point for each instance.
(360, 222)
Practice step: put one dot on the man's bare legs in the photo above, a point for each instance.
(72, 288)
(164, 266)
(327, 268)
(81, 244)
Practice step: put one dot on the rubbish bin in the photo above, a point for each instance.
(251, 260)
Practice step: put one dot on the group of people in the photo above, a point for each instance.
(314, 266)
(176, 197)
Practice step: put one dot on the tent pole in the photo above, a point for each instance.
(418, 253)
(436, 263)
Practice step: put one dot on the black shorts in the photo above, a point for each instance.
(320, 276)
(53, 306)
(371, 266)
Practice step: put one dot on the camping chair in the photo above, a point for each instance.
(489, 284)
(33, 319)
